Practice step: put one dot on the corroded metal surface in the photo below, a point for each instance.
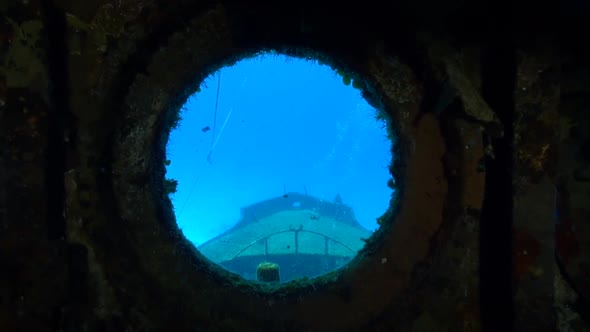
(536, 136)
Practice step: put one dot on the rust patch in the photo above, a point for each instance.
(566, 243)
(536, 154)
(526, 249)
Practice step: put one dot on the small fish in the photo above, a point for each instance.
(205, 129)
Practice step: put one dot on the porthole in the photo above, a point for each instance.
(176, 273)
(279, 163)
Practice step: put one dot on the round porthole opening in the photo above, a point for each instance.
(279, 168)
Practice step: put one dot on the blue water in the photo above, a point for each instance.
(282, 124)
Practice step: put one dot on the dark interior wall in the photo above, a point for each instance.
(489, 104)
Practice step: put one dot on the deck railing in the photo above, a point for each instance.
(296, 231)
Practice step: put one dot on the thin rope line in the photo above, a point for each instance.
(213, 141)
(216, 104)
